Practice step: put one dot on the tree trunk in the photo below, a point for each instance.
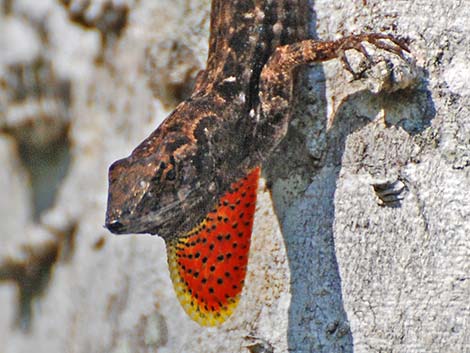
(361, 243)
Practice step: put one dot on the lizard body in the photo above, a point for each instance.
(193, 180)
(209, 141)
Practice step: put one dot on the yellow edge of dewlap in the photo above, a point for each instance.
(196, 312)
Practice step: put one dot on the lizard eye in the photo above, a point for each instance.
(171, 175)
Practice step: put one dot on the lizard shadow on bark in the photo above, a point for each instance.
(316, 313)
(303, 188)
(302, 175)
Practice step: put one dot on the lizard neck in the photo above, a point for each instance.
(243, 34)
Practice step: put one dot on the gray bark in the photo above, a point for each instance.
(335, 266)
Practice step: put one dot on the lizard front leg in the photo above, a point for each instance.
(277, 77)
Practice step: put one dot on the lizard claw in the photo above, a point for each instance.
(347, 65)
(381, 41)
(397, 47)
(385, 42)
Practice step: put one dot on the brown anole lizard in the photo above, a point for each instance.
(193, 180)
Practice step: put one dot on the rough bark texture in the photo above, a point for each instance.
(334, 266)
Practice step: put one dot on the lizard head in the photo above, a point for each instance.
(163, 187)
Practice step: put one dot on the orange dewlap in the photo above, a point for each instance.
(208, 265)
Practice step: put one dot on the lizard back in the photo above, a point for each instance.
(242, 37)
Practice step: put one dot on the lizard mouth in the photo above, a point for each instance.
(166, 220)
(138, 226)
(149, 223)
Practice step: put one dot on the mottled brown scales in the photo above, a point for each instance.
(175, 181)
